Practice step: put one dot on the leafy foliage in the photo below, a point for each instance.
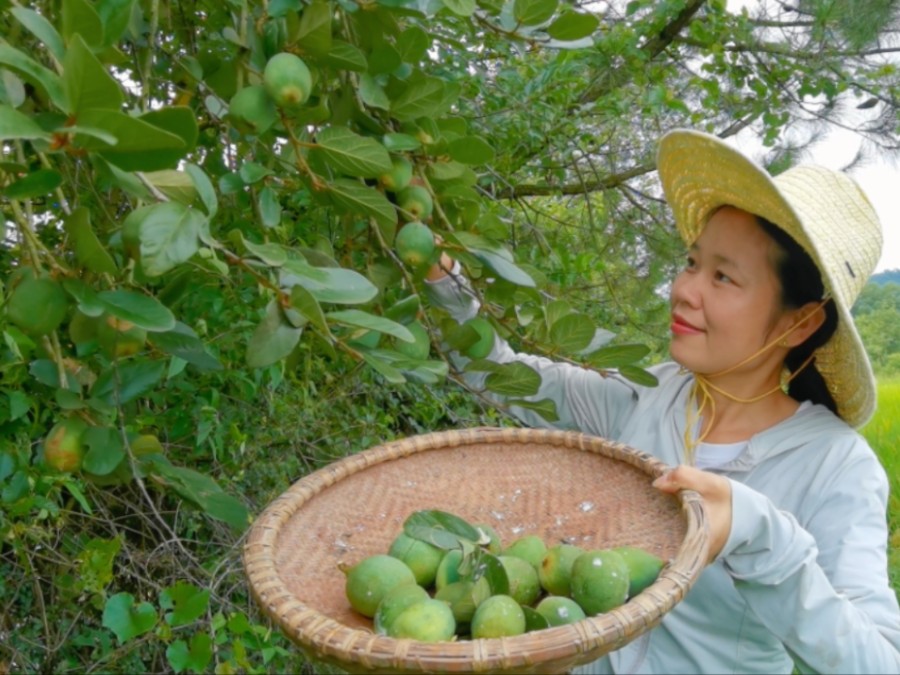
(198, 266)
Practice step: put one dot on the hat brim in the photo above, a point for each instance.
(700, 173)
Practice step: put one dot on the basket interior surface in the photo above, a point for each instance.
(561, 494)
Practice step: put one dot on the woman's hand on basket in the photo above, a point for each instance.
(716, 493)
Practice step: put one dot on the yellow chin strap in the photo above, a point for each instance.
(700, 397)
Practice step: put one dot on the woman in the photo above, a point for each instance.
(757, 412)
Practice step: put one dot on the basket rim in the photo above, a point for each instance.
(571, 644)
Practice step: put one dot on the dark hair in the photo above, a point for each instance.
(801, 283)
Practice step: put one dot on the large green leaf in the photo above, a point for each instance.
(127, 381)
(313, 31)
(441, 528)
(80, 18)
(273, 339)
(572, 332)
(424, 96)
(42, 29)
(359, 319)
(195, 656)
(495, 257)
(169, 234)
(182, 342)
(329, 284)
(345, 56)
(351, 154)
(513, 379)
(35, 184)
(203, 491)
(618, 355)
(461, 7)
(546, 407)
(385, 369)
(471, 150)
(32, 71)
(572, 25)
(142, 310)
(15, 125)
(204, 187)
(105, 450)
(115, 16)
(534, 12)
(126, 618)
(184, 603)
(139, 145)
(88, 249)
(87, 83)
(178, 120)
(354, 198)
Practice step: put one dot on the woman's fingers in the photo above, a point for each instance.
(716, 493)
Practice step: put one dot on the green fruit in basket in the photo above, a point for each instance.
(556, 568)
(448, 569)
(463, 597)
(530, 548)
(643, 567)
(524, 586)
(599, 581)
(394, 602)
(489, 538)
(426, 621)
(498, 616)
(560, 611)
(420, 556)
(370, 579)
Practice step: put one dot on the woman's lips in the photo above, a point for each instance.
(682, 327)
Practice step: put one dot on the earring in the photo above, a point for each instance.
(783, 343)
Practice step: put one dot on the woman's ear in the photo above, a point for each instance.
(805, 322)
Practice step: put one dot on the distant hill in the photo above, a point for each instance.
(886, 277)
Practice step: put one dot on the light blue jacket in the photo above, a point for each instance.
(802, 578)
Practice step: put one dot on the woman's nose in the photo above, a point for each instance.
(686, 289)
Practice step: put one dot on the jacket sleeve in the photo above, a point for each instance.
(585, 400)
(823, 588)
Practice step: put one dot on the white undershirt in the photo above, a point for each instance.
(714, 455)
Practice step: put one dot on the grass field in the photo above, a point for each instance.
(883, 434)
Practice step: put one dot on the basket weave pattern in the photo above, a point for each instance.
(562, 486)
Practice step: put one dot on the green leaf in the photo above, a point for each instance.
(351, 154)
(169, 234)
(184, 602)
(204, 188)
(423, 97)
(345, 56)
(175, 185)
(356, 199)
(272, 254)
(128, 381)
(305, 303)
(572, 332)
(173, 131)
(489, 566)
(534, 12)
(514, 379)
(127, 619)
(497, 258)
(87, 83)
(329, 284)
(143, 311)
(273, 339)
(534, 620)
(639, 375)
(441, 528)
(269, 207)
(618, 355)
(461, 7)
(80, 18)
(43, 78)
(15, 125)
(471, 150)
(182, 342)
(314, 28)
(203, 491)
(546, 407)
(35, 184)
(391, 374)
(132, 135)
(105, 450)
(88, 249)
(42, 29)
(360, 319)
(572, 25)
(372, 93)
(413, 44)
(401, 142)
(195, 657)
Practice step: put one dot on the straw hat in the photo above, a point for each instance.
(825, 211)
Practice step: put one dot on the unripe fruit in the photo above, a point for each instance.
(369, 580)
(426, 621)
(416, 202)
(498, 616)
(414, 244)
(399, 176)
(37, 306)
(420, 556)
(599, 581)
(251, 110)
(485, 343)
(287, 80)
(118, 338)
(63, 447)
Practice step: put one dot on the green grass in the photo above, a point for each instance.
(883, 434)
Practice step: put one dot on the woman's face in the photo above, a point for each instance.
(726, 301)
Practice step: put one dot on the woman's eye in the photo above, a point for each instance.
(690, 263)
(720, 276)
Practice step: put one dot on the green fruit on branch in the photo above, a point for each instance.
(415, 244)
(416, 203)
(368, 581)
(399, 176)
(37, 306)
(251, 110)
(485, 342)
(287, 80)
(64, 447)
(420, 348)
(118, 338)
(599, 581)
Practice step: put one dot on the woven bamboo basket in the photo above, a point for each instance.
(563, 486)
